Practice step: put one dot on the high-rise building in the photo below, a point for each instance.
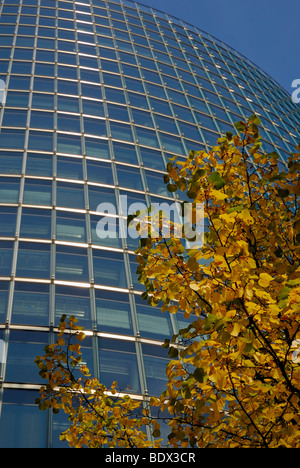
(99, 94)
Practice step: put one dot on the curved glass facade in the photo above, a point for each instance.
(99, 95)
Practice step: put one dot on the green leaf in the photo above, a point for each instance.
(172, 188)
(217, 180)
(199, 374)
(254, 119)
(283, 193)
(173, 352)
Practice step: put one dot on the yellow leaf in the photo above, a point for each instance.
(218, 195)
(264, 280)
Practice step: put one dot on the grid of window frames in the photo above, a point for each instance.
(99, 95)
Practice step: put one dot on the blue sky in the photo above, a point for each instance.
(265, 31)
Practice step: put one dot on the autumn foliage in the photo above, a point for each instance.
(233, 375)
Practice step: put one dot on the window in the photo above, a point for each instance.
(113, 312)
(124, 153)
(69, 144)
(8, 228)
(147, 137)
(31, 304)
(36, 224)
(109, 269)
(22, 424)
(12, 139)
(13, 118)
(33, 260)
(118, 362)
(37, 192)
(70, 195)
(9, 190)
(6, 252)
(3, 305)
(11, 163)
(23, 348)
(155, 360)
(99, 172)
(98, 195)
(152, 159)
(39, 165)
(68, 123)
(69, 168)
(71, 264)
(129, 177)
(97, 148)
(40, 141)
(152, 323)
(42, 120)
(70, 227)
(77, 300)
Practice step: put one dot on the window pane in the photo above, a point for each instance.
(155, 360)
(152, 322)
(9, 190)
(39, 165)
(69, 144)
(118, 362)
(100, 172)
(75, 300)
(6, 250)
(97, 148)
(3, 303)
(36, 224)
(22, 425)
(109, 269)
(31, 304)
(70, 195)
(69, 168)
(33, 260)
(105, 231)
(113, 312)
(22, 350)
(8, 218)
(71, 264)
(70, 227)
(37, 193)
(11, 163)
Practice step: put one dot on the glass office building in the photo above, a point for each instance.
(99, 94)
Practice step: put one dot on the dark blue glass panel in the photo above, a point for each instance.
(4, 287)
(22, 424)
(12, 139)
(23, 348)
(70, 195)
(9, 190)
(33, 260)
(70, 227)
(37, 192)
(69, 168)
(71, 264)
(11, 163)
(155, 360)
(8, 216)
(118, 362)
(73, 301)
(36, 224)
(69, 144)
(97, 148)
(109, 269)
(39, 165)
(100, 172)
(31, 304)
(40, 141)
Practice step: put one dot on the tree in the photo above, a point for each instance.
(233, 375)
